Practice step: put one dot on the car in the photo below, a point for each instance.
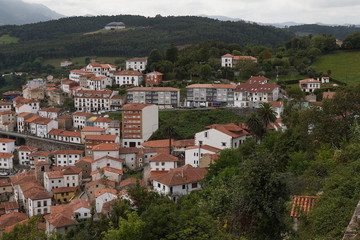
(4, 173)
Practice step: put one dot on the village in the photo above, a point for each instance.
(83, 179)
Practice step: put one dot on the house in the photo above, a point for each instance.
(25, 105)
(5, 188)
(7, 121)
(6, 161)
(40, 126)
(163, 144)
(76, 74)
(136, 157)
(9, 207)
(110, 173)
(107, 161)
(20, 121)
(106, 149)
(10, 95)
(153, 78)
(140, 121)
(229, 60)
(62, 177)
(309, 85)
(164, 97)
(100, 69)
(179, 181)
(325, 79)
(23, 154)
(35, 93)
(252, 95)
(55, 96)
(301, 205)
(102, 122)
(128, 78)
(67, 157)
(79, 119)
(104, 195)
(66, 85)
(5, 106)
(131, 182)
(99, 83)
(65, 122)
(93, 101)
(51, 112)
(70, 136)
(41, 156)
(10, 220)
(163, 162)
(222, 136)
(207, 160)
(138, 64)
(91, 131)
(258, 79)
(64, 217)
(85, 164)
(195, 153)
(63, 194)
(207, 95)
(93, 140)
(37, 201)
(7, 145)
(114, 26)
(92, 186)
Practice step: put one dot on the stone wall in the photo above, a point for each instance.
(48, 145)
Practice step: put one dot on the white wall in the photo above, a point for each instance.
(214, 138)
(150, 121)
(106, 197)
(192, 156)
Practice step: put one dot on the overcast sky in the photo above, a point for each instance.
(266, 11)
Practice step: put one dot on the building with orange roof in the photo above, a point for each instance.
(229, 60)
(63, 194)
(85, 164)
(163, 162)
(128, 78)
(131, 182)
(91, 131)
(39, 156)
(5, 187)
(301, 205)
(7, 121)
(93, 101)
(194, 153)
(99, 83)
(106, 149)
(38, 201)
(138, 64)
(6, 161)
(8, 207)
(70, 136)
(222, 136)
(309, 85)
(5, 106)
(93, 140)
(51, 112)
(22, 104)
(11, 219)
(62, 177)
(111, 173)
(92, 186)
(75, 74)
(164, 97)
(7, 145)
(207, 95)
(23, 153)
(179, 181)
(107, 161)
(100, 69)
(20, 121)
(139, 122)
(153, 78)
(104, 195)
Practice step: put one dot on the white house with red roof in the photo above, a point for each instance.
(23, 153)
(278, 107)
(106, 149)
(138, 64)
(309, 85)
(20, 120)
(51, 112)
(37, 200)
(107, 161)
(5, 106)
(104, 195)
(229, 60)
(67, 157)
(76, 74)
(102, 122)
(179, 181)
(128, 78)
(252, 94)
(42, 126)
(99, 83)
(258, 79)
(62, 177)
(222, 136)
(94, 101)
(22, 104)
(163, 162)
(194, 153)
(6, 161)
(100, 69)
(7, 145)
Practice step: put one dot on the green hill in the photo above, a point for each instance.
(66, 37)
(344, 66)
(340, 32)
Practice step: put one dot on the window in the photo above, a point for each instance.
(194, 185)
(183, 186)
(223, 144)
(39, 204)
(45, 203)
(200, 142)
(206, 134)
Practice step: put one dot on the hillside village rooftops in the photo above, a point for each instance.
(135, 106)
(153, 89)
(11, 219)
(164, 143)
(103, 119)
(70, 134)
(6, 140)
(163, 157)
(24, 114)
(205, 147)
(40, 154)
(106, 147)
(6, 155)
(24, 148)
(230, 129)
(155, 73)
(82, 114)
(99, 182)
(128, 73)
(100, 192)
(106, 137)
(110, 158)
(4, 182)
(230, 86)
(2, 103)
(68, 152)
(92, 129)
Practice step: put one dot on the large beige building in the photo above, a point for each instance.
(164, 97)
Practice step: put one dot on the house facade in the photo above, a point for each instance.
(164, 97)
(207, 95)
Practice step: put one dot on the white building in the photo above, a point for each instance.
(207, 95)
(110, 173)
(163, 162)
(128, 78)
(7, 145)
(79, 119)
(222, 136)
(107, 161)
(229, 60)
(62, 177)
(24, 152)
(309, 85)
(20, 120)
(5, 106)
(67, 157)
(51, 113)
(140, 121)
(76, 74)
(37, 201)
(42, 126)
(194, 153)
(179, 181)
(138, 64)
(164, 97)
(99, 83)
(94, 101)
(106, 149)
(100, 69)
(6, 161)
(104, 195)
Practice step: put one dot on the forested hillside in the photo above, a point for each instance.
(66, 38)
(340, 32)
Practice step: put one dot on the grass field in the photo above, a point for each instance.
(344, 66)
(80, 61)
(6, 39)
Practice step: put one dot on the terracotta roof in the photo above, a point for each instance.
(11, 219)
(24, 177)
(153, 89)
(64, 117)
(103, 119)
(256, 87)
(40, 154)
(82, 114)
(128, 73)
(276, 103)
(138, 59)
(59, 220)
(6, 140)
(54, 174)
(302, 204)
(85, 159)
(100, 192)
(309, 80)
(182, 175)
(4, 182)
(106, 147)
(55, 131)
(51, 109)
(24, 148)
(9, 205)
(64, 190)
(79, 71)
(109, 183)
(24, 114)
(227, 55)
(131, 181)
(70, 134)
(42, 120)
(12, 93)
(253, 79)
(41, 163)
(156, 73)
(135, 106)
(7, 112)
(36, 194)
(163, 157)
(232, 86)
(67, 152)
(92, 129)
(230, 129)
(246, 58)
(2, 103)
(31, 119)
(164, 143)
(68, 170)
(110, 158)
(108, 169)
(206, 147)
(6, 155)
(105, 137)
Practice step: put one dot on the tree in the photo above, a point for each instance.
(205, 71)
(26, 231)
(155, 57)
(171, 53)
(256, 126)
(266, 114)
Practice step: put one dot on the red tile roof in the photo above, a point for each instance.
(40, 154)
(59, 220)
(11, 219)
(55, 131)
(67, 152)
(82, 114)
(103, 119)
(107, 169)
(51, 109)
(7, 112)
(6, 155)
(92, 129)
(163, 157)
(309, 80)
(106, 137)
(302, 204)
(109, 183)
(106, 147)
(36, 194)
(6, 140)
(128, 73)
(138, 59)
(182, 175)
(9, 206)
(24, 114)
(70, 134)
(24, 148)
(4, 182)
(256, 87)
(110, 158)
(206, 147)
(86, 159)
(100, 192)
(231, 86)
(131, 181)
(230, 129)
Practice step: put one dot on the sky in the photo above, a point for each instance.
(265, 11)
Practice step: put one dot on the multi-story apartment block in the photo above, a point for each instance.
(67, 157)
(79, 119)
(93, 101)
(254, 94)
(138, 64)
(140, 121)
(164, 97)
(6, 161)
(229, 60)
(206, 95)
(128, 78)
